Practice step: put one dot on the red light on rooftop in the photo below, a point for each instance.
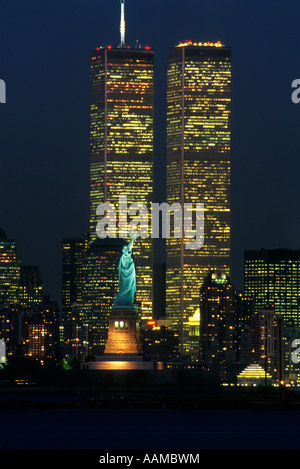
(147, 48)
(151, 323)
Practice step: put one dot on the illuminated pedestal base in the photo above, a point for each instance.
(123, 332)
(123, 347)
(112, 362)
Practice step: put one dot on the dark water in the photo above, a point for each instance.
(149, 429)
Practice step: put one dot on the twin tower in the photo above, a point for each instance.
(197, 162)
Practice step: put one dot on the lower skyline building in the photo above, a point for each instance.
(11, 329)
(9, 271)
(244, 309)
(218, 323)
(70, 334)
(40, 331)
(31, 332)
(74, 250)
(160, 342)
(272, 276)
(267, 347)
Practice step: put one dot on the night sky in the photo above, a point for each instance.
(44, 146)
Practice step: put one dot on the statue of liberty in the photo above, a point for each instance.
(127, 279)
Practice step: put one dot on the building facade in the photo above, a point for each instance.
(9, 271)
(218, 322)
(40, 331)
(31, 292)
(74, 250)
(160, 342)
(267, 345)
(291, 362)
(273, 277)
(11, 329)
(198, 170)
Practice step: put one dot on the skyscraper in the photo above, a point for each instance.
(9, 271)
(40, 332)
(272, 276)
(31, 292)
(121, 139)
(267, 342)
(74, 250)
(218, 322)
(198, 169)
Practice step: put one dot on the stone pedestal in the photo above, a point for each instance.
(123, 332)
(123, 348)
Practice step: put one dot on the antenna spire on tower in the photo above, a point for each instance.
(122, 27)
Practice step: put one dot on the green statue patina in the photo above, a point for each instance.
(127, 279)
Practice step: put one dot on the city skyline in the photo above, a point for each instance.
(39, 223)
(149, 339)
